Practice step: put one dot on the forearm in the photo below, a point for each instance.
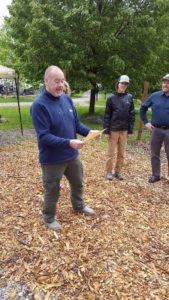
(49, 139)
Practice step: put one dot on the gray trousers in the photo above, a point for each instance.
(157, 138)
(52, 175)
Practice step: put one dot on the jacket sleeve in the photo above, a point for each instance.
(131, 116)
(143, 109)
(107, 116)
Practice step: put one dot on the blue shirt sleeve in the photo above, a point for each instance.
(143, 109)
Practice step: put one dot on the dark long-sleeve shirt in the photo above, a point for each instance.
(159, 103)
(56, 122)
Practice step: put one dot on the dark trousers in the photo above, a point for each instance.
(52, 175)
(157, 138)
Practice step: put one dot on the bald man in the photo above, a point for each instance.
(56, 124)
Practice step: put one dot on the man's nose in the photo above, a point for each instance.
(60, 84)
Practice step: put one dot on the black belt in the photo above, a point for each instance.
(161, 126)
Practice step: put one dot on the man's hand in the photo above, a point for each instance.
(76, 144)
(149, 126)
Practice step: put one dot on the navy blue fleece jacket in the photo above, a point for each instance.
(56, 122)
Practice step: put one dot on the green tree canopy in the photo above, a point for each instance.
(6, 53)
(93, 40)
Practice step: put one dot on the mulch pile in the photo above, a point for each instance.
(121, 253)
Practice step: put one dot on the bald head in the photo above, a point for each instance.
(52, 69)
(54, 80)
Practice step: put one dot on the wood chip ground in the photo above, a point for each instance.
(121, 253)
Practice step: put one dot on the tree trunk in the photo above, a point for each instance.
(92, 101)
(145, 94)
(65, 73)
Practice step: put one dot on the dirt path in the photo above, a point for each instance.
(83, 101)
(15, 136)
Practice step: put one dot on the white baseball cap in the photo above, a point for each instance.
(166, 77)
(124, 78)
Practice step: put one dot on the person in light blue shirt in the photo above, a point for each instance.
(56, 124)
(159, 126)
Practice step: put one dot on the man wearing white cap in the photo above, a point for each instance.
(118, 123)
(159, 126)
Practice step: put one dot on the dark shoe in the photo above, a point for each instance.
(54, 225)
(153, 179)
(88, 211)
(118, 176)
(109, 176)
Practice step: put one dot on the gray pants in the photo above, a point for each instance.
(52, 175)
(157, 138)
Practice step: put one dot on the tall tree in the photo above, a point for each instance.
(94, 40)
(6, 53)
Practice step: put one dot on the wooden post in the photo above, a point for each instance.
(145, 95)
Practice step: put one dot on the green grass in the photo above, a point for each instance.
(76, 95)
(83, 114)
(8, 99)
(11, 113)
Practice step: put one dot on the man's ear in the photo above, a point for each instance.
(46, 81)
